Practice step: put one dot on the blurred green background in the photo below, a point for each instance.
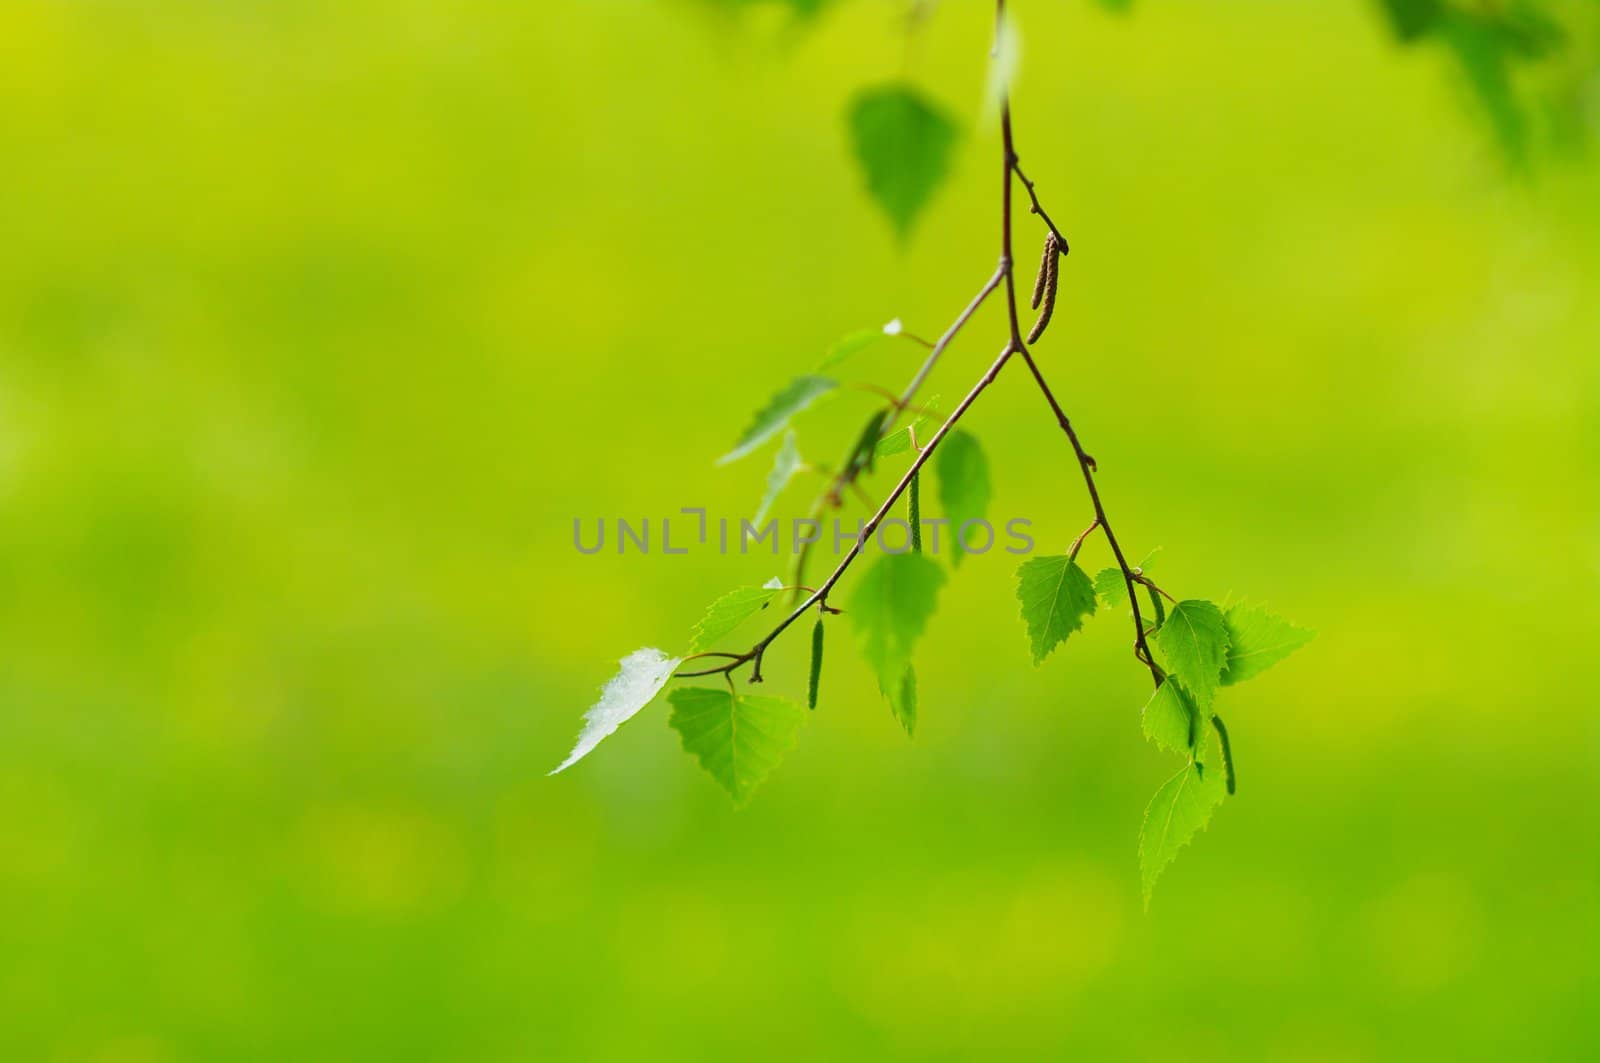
(319, 325)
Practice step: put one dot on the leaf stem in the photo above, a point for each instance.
(1077, 544)
(874, 389)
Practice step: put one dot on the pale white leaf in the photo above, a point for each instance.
(643, 674)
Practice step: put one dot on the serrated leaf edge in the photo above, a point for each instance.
(1151, 878)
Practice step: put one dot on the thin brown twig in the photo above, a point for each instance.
(1005, 273)
(1037, 207)
(1085, 462)
(819, 597)
(876, 389)
(832, 496)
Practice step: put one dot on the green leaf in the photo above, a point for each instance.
(641, 677)
(728, 612)
(890, 610)
(1194, 643)
(1257, 640)
(799, 393)
(1412, 19)
(903, 142)
(899, 441)
(896, 442)
(1179, 809)
(1485, 57)
(1056, 597)
(903, 700)
(1110, 587)
(784, 466)
(739, 740)
(1172, 721)
(816, 665)
(963, 485)
(849, 346)
(865, 451)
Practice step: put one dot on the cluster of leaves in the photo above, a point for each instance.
(1198, 647)
(904, 141)
(737, 737)
(1530, 64)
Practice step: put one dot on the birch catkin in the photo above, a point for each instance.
(1044, 286)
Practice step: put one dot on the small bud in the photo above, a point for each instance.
(893, 328)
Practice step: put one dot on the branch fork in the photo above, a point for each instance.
(1044, 297)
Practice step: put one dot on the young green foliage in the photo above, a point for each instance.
(903, 142)
(849, 346)
(903, 699)
(963, 485)
(1257, 640)
(863, 456)
(1194, 643)
(799, 393)
(899, 440)
(740, 738)
(1110, 587)
(889, 609)
(1056, 598)
(1182, 807)
(784, 466)
(1173, 722)
(728, 612)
